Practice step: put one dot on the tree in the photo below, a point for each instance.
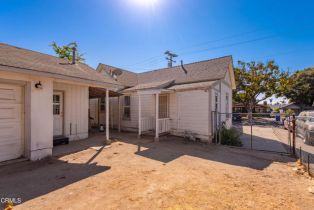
(67, 50)
(301, 88)
(256, 82)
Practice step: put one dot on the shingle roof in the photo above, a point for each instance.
(192, 85)
(127, 78)
(150, 85)
(209, 70)
(22, 60)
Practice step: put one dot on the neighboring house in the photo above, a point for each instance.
(173, 100)
(296, 108)
(41, 97)
(240, 108)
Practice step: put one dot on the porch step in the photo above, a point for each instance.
(57, 140)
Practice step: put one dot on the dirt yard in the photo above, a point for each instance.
(140, 174)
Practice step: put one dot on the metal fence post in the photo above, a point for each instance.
(251, 122)
(293, 134)
(216, 130)
(301, 154)
(308, 164)
(289, 134)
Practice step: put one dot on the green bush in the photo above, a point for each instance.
(231, 137)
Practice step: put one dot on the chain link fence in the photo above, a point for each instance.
(256, 131)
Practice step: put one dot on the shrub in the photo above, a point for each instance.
(289, 112)
(231, 137)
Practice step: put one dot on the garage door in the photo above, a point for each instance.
(11, 122)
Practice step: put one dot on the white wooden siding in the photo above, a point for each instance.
(75, 110)
(93, 111)
(193, 111)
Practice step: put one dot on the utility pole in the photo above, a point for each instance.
(170, 57)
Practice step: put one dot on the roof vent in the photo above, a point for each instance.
(115, 73)
(73, 55)
(183, 68)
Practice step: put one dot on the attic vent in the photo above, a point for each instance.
(183, 68)
(115, 73)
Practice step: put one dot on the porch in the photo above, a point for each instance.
(102, 107)
(160, 124)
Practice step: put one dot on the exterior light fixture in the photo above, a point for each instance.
(38, 85)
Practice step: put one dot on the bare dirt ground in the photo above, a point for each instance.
(140, 174)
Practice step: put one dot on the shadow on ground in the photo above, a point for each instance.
(170, 148)
(28, 180)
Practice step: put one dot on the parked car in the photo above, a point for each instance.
(305, 126)
(236, 117)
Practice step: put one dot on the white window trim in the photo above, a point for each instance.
(126, 106)
(167, 108)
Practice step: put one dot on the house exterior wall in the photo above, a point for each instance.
(189, 111)
(38, 132)
(131, 124)
(223, 90)
(38, 118)
(76, 99)
(93, 111)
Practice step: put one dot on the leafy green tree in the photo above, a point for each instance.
(256, 82)
(67, 50)
(301, 87)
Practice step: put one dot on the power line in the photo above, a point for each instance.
(229, 45)
(286, 53)
(222, 46)
(195, 45)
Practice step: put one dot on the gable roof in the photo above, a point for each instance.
(21, 60)
(150, 85)
(127, 78)
(202, 71)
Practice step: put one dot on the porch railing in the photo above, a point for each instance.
(148, 123)
(164, 125)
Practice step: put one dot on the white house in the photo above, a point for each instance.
(176, 100)
(42, 97)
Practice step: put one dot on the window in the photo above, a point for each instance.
(56, 105)
(102, 104)
(127, 107)
(227, 105)
(163, 106)
(216, 102)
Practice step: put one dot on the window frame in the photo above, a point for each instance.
(227, 105)
(160, 114)
(216, 101)
(126, 106)
(102, 104)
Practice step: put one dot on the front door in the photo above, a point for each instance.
(57, 113)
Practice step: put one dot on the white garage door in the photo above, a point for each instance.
(11, 122)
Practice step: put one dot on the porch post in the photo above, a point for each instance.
(157, 116)
(139, 116)
(119, 115)
(107, 114)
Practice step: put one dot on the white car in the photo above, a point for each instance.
(305, 126)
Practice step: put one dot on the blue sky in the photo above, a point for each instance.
(134, 34)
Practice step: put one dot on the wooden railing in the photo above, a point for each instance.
(148, 123)
(164, 125)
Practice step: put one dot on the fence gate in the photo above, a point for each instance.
(256, 131)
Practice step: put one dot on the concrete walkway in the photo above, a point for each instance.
(263, 138)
